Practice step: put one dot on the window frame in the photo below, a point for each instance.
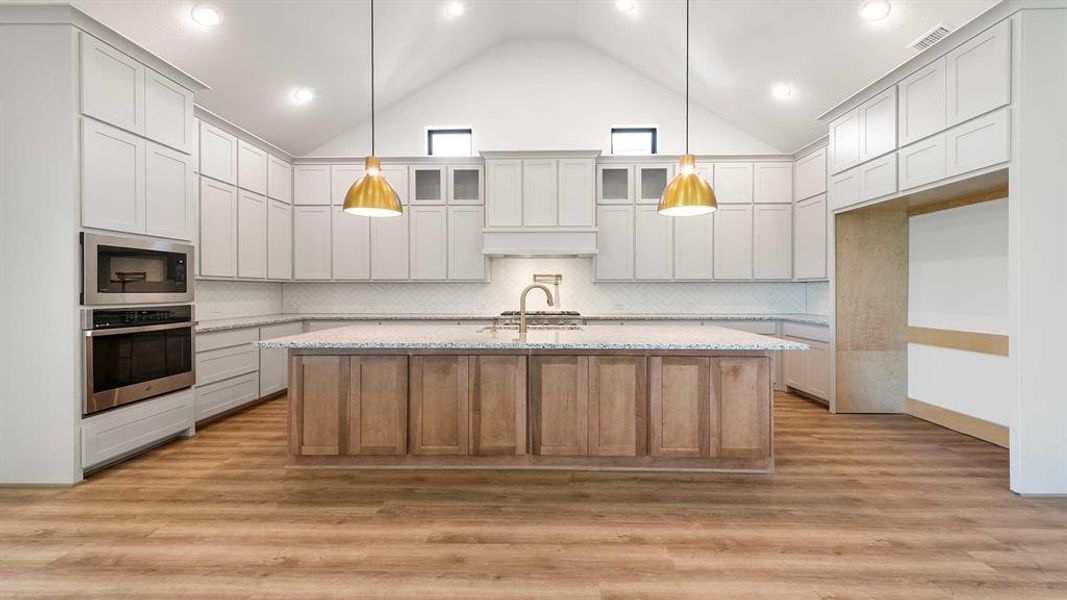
(653, 129)
(431, 131)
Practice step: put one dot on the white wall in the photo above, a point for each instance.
(543, 95)
(958, 279)
(40, 352)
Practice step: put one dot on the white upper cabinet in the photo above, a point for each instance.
(844, 189)
(539, 193)
(503, 193)
(465, 259)
(351, 246)
(810, 175)
(311, 185)
(251, 235)
(389, 248)
(979, 74)
(341, 179)
(615, 184)
(397, 176)
(466, 185)
(773, 183)
(615, 243)
(428, 185)
(429, 242)
(576, 208)
(279, 180)
(878, 177)
(878, 125)
(651, 180)
(733, 242)
(654, 245)
(809, 254)
(112, 85)
(168, 112)
(922, 103)
(218, 154)
(170, 193)
(922, 162)
(772, 241)
(218, 229)
(279, 240)
(693, 247)
(112, 178)
(733, 183)
(844, 141)
(251, 168)
(978, 143)
(311, 242)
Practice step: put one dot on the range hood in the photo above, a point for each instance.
(524, 242)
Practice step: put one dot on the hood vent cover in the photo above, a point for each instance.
(930, 38)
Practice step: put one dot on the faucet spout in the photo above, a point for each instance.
(522, 303)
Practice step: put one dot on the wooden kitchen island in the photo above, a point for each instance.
(604, 397)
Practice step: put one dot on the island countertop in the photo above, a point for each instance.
(475, 337)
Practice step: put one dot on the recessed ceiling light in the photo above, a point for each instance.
(303, 95)
(874, 10)
(625, 5)
(455, 8)
(782, 90)
(206, 15)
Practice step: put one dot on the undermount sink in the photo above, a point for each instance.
(531, 327)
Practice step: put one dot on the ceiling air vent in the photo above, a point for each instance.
(929, 38)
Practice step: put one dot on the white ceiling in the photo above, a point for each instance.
(739, 48)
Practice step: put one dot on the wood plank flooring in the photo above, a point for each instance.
(861, 507)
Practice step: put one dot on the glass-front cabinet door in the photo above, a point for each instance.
(652, 179)
(427, 185)
(466, 185)
(615, 184)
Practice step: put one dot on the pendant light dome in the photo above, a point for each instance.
(687, 194)
(371, 195)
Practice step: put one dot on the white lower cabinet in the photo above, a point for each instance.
(218, 229)
(772, 249)
(279, 240)
(465, 259)
(274, 362)
(615, 243)
(807, 371)
(429, 240)
(251, 235)
(809, 242)
(389, 248)
(693, 247)
(223, 396)
(227, 371)
(351, 246)
(653, 245)
(118, 433)
(311, 242)
(733, 241)
(112, 178)
(170, 193)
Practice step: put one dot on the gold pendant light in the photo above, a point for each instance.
(372, 196)
(687, 194)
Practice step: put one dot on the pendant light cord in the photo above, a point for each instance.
(686, 76)
(372, 77)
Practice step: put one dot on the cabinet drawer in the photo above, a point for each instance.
(215, 365)
(806, 331)
(922, 162)
(125, 430)
(226, 339)
(878, 178)
(979, 143)
(217, 398)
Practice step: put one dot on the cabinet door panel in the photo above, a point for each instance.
(651, 180)
(170, 193)
(654, 245)
(741, 387)
(733, 183)
(922, 103)
(274, 362)
(680, 400)
(377, 406)
(503, 193)
(979, 74)
(773, 241)
(810, 243)
(559, 392)
(617, 406)
(279, 180)
(466, 185)
(983, 142)
(168, 113)
(342, 177)
(811, 175)
(218, 154)
(845, 141)
(427, 185)
(429, 243)
(251, 235)
(218, 229)
(818, 369)
(576, 196)
(112, 178)
(321, 383)
(465, 259)
(397, 176)
(311, 185)
(389, 248)
(878, 125)
(279, 240)
(498, 405)
(844, 189)
(733, 242)
(773, 183)
(539, 193)
(351, 246)
(311, 242)
(112, 85)
(693, 247)
(615, 243)
(923, 162)
(878, 177)
(615, 184)
(795, 368)
(440, 400)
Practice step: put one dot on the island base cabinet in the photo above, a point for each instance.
(440, 405)
(498, 405)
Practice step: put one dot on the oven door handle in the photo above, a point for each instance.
(143, 329)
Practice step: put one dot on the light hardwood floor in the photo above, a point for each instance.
(861, 507)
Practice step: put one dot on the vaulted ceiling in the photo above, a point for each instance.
(263, 49)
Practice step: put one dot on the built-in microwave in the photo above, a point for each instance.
(120, 270)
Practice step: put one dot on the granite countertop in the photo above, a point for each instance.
(212, 325)
(472, 337)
